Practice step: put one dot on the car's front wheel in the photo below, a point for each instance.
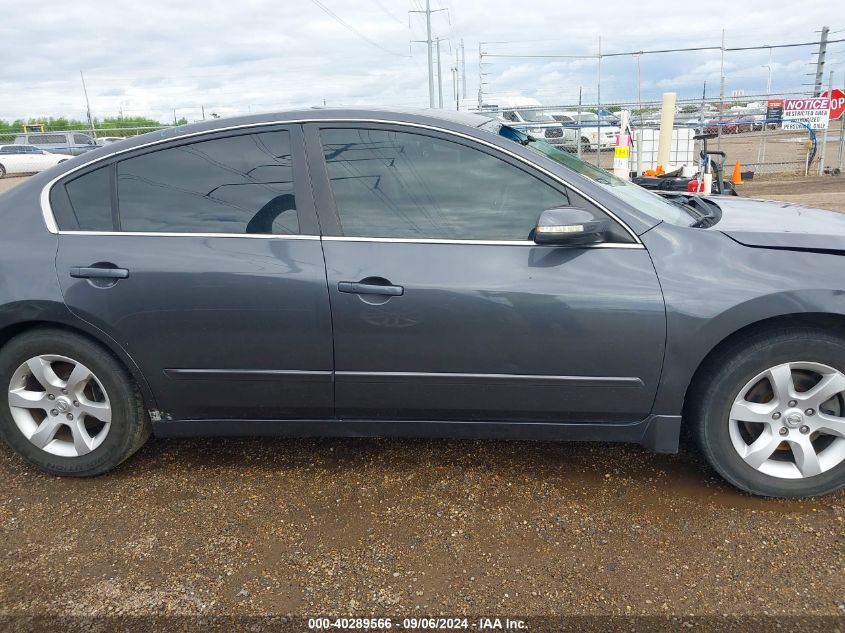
(71, 408)
(771, 418)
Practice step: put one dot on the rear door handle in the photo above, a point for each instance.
(93, 272)
(361, 288)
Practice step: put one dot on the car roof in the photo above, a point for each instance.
(421, 116)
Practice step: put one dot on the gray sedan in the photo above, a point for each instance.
(393, 273)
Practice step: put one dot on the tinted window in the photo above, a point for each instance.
(396, 184)
(90, 199)
(241, 184)
(82, 139)
(47, 139)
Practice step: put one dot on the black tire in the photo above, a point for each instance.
(2, 171)
(710, 403)
(130, 426)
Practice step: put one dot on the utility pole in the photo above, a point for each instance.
(203, 112)
(721, 92)
(429, 43)
(824, 141)
(88, 106)
(439, 78)
(463, 70)
(455, 86)
(480, 77)
(456, 80)
(817, 89)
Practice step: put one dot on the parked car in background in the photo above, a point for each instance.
(108, 140)
(72, 143)
(594, 132)
(541, 125)
(26, 159)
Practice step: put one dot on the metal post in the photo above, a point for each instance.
(463, 70)
(639, 168)
(455, 88)
(578, 129)
(824, 142)
(761, 151)
(721, 92)
(817, 88)
(439, 78)
(480, 77)
(841, 133)
(598, 109)
(430, 53)
(88, 107)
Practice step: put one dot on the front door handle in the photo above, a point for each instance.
(94, 272)
(367, 287)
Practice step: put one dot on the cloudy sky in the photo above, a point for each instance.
(154, 57)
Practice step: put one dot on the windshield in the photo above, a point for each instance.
(585, 116)
(535, 116)
(649, 203)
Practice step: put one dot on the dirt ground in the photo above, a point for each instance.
(410, 528)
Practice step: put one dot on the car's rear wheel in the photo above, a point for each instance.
(71, 408)
(771, 419)
(2, 171)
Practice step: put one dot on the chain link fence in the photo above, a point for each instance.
(761, 145)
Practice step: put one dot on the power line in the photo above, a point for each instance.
(388, 12)
(665, 50)
(352, 29)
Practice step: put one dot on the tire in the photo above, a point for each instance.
(109, 388)
(717, 407)
(2, 171)
(585, 144)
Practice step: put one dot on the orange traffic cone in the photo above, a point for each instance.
(737, 175)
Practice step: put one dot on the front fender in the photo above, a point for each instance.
(713, 287)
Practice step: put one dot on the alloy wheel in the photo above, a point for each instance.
(59, 405)
(787, 421)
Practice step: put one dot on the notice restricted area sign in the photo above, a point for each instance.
(813, 113)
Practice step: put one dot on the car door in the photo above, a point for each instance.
(41, 159)
(13, 159)
(202, 258)
(444, 309)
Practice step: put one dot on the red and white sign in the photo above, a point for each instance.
(837, 103)
(799, 114)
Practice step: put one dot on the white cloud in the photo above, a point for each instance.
(258, 55)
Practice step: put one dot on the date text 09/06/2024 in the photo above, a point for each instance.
(481, 624)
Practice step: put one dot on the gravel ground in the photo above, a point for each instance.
(374, 527)
(412, 527)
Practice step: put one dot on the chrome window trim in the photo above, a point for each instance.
(254, 236)
(413, 240)
(50, 221)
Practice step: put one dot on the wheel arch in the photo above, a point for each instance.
(827, 322)
(12, 330)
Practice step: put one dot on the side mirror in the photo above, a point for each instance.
(569, 225)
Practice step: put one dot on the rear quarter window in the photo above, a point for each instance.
(87, 205)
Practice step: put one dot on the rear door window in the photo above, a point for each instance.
(234, 185)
